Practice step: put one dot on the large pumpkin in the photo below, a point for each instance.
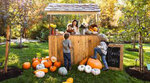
(26, 65)
(62, 71)
(48, 64)
(57, 64)
(94, 63)
(40, 66)
(53, 68)
(83, 62)
(35, 63)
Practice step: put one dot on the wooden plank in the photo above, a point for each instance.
(71, 12)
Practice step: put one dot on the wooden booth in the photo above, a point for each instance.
(83, 45)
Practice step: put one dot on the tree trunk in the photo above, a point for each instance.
(20, 45)
(134, 41)
(7, 48)
(141, 58)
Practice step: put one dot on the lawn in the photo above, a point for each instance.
(19, 56)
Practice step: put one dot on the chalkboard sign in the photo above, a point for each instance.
(114, 57)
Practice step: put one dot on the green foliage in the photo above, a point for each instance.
(2, 39)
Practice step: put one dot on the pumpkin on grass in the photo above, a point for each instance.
(94, 63)
(48, 64)
(40, 74)
(26, 65)
(57, 64)
(53, 68)
(40, 66)
(35, 63)
(88, 69)
(81, 67)
(62, 71)
(95, 71)
(83, 62)
(70, 80)
(44, 70)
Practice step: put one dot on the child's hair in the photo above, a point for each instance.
(66, 35)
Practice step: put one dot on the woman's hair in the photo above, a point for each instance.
(76, 22)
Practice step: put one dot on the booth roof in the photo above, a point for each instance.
(76, 8)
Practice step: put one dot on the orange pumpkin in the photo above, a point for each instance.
(83, 61)
(94, 63)
(44, 70)
(35, 63)
(53, 68)
(34, 59)
(26, 65)
(48, 64)
(57, 64)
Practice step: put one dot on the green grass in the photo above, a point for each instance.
(19, 56)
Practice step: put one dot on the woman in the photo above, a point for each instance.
(75, 26)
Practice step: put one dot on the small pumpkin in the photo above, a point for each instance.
(88, 69)
(26, 65)
(35, 63)
(57, 64)
(94, 63)
(47, 64)
(40, 74)
(34, 59)
(95, 71)
(47, 57)
(40, 66)
(44, 70)
(81, 67)
(83, 62)
(53, 68)
(62, 71)
(53, 59)
(42, 62)
(70, 80)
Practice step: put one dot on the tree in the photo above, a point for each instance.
(136, 18)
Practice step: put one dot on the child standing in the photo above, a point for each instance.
(66, 51)
(102, 50)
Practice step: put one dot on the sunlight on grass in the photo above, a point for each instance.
(12, 59)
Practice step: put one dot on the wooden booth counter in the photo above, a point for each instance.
(83, 46)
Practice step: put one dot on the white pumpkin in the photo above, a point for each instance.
(88, 69)
(81, 67)
(53, 59)
(42, 62)
(96, 71)
(40, 66)
(47, 57)
(62, 71)
(40, 74)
